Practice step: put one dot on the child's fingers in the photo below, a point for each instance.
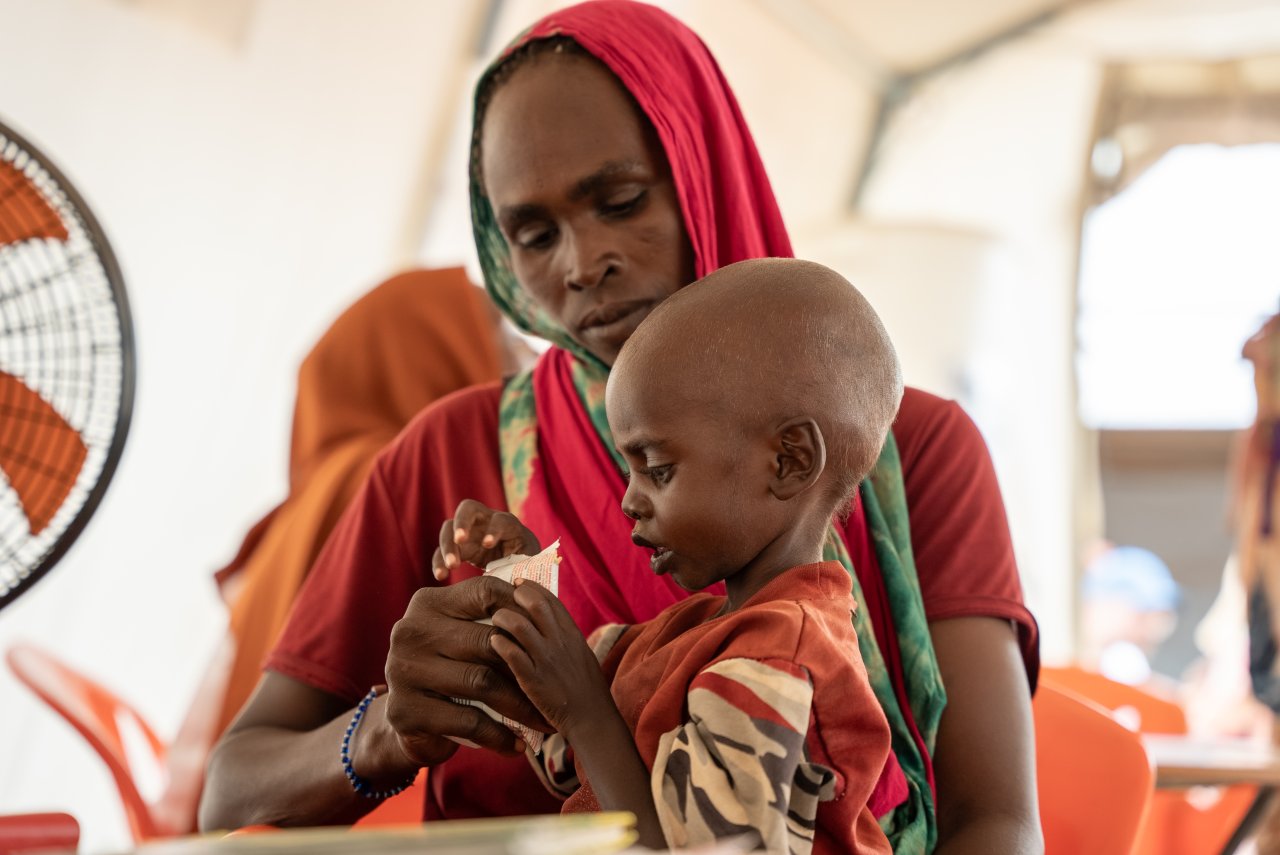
(514, 655)
(540, 604)
(446, 556)
(438, 568)
(510, 535)
(470, 521)
(518, 627)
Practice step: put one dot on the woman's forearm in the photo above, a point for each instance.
(275, 776)
(1015, 835)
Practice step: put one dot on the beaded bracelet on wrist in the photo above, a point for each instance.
(360, 785)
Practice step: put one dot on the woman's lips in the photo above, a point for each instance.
(604, 321)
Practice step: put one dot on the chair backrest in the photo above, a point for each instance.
(1094, 778)
(1154, 714)
(97, 714)
(1176, 824)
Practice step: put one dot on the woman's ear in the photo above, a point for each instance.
(801, 458)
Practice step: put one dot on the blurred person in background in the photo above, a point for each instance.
(1129, 608)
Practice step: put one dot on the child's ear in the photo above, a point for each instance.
(801, 458)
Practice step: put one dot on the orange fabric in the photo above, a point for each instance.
(1093, 776)
(411, 340)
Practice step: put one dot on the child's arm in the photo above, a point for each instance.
(557, 670)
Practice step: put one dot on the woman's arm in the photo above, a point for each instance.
(279, 762)
(984, 761)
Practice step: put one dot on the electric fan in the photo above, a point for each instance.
(66, 365)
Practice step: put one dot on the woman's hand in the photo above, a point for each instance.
(438, 652)
(478, 534)
(551, 660)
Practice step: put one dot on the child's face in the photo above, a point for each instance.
(699, 490)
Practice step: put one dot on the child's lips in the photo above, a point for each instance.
(660, 553)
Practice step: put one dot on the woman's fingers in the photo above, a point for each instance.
(439, 649)
(421, 721)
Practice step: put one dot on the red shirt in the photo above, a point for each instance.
(380, 554)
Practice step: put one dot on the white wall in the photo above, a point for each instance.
(251, 187)
(997, 148)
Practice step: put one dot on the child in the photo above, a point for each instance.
(749, 712)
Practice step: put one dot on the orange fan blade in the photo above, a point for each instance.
(24, 214)
(39, 452)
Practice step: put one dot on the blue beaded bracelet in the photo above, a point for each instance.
(360, 785)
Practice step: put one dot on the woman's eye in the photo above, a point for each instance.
(620, 206)
(534, 237)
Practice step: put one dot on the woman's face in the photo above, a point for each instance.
(584, 196)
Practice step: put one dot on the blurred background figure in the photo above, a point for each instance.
(1129, 607)
(410, 341)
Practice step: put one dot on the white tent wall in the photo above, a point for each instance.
(252, 187)
(999, 146)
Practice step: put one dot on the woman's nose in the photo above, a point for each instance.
(591, 258)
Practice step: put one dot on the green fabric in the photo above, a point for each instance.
(912, 827)
(518, 427)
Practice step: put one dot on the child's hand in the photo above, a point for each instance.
(551, 660)
(478, 534)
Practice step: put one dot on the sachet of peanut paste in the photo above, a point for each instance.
(543, 568)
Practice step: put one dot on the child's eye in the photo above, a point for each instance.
(659, 474)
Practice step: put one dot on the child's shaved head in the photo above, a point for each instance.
(763, 341)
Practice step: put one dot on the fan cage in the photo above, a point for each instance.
(66, 332)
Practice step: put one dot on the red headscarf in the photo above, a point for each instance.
(730, 213)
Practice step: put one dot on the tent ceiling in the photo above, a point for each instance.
(909, 36)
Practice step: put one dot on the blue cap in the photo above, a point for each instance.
(1134, 575)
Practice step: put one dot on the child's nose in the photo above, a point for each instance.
(633, 505)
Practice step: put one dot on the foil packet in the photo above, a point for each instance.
(543, 568)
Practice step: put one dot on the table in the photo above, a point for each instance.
(1185, 761)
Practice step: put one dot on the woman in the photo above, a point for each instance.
(611, 167)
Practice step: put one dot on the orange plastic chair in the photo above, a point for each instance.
(98, 715)
(1176, 825)
(38, 832)
(1093, 775)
